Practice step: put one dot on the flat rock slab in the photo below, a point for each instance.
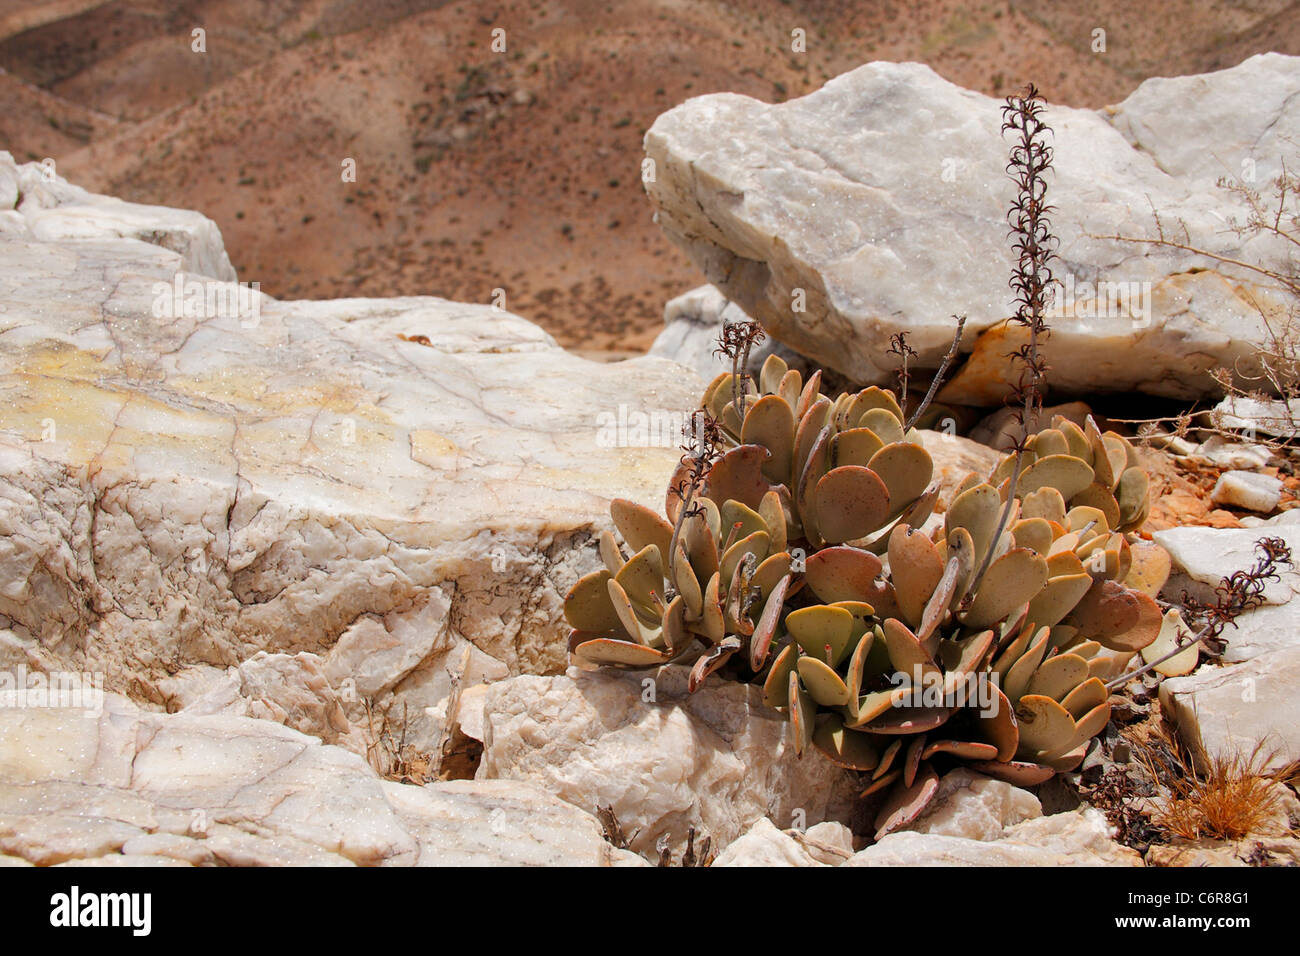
(1231, 711)
(878, 204)
(125, 787)
(188, 477)
(1203, 557)
(1080, 838)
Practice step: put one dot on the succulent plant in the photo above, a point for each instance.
(843, 469)
(888, 651)
(853, 671)
(1087, 468)
(640, 611)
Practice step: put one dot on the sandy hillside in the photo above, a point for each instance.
(479, 169)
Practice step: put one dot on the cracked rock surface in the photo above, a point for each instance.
(188, 480)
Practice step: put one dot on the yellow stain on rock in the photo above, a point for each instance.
(431, 449)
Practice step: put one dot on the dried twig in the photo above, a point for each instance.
(1239, 592)
(939, 375)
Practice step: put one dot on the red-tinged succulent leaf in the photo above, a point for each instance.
(710, 661)
(880, 783)
(905, 804)
(850, 749)
(587, 606)
(912, 759)
(964, 657)
(811, 425)
(1059, 597)
(1065, 473)
(810, 395)
(937, 607)
(905, 469)
(850, 503)
(640, 526)
(738, 475)
(854, 446)
(817, 627)
(823, 684)
(813, 469)
(803, 712)
(672, 503)
(844, 574)
(1118, 618)
(906, 653)
(1058, 675)
(642, 577)
(1012, 580)
(760, 643)
(606, 652)
(998, 726)
(910, 720)
(1020, 773)
(966, 749)
(1089, 694)
(790, 388)
(916, 568)
(577, 637)
(872, 706)
(977, 510)
(676, 636)
(884, 423)
(1045, 725)
(776, 687)
(770, 422)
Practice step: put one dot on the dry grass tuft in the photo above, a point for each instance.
(1233, 798)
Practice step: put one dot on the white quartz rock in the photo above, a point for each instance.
(1079, 838)
(878, 204)
(1207, 555)
(764, 845)
(662, 758)
(53, 210)
(692, 323)
(1249, 490)
(975, 807)
(1233, 711)
(130, 787)
(186, 489)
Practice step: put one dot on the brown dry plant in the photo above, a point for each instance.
(1233, 797)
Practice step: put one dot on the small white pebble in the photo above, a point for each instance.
(1245, 489)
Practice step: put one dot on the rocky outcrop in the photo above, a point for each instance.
(122, 786)
(663, 759)
(192, 472)
(38, 205)
(878, 202)
(1248, 711)
(1203, 557)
